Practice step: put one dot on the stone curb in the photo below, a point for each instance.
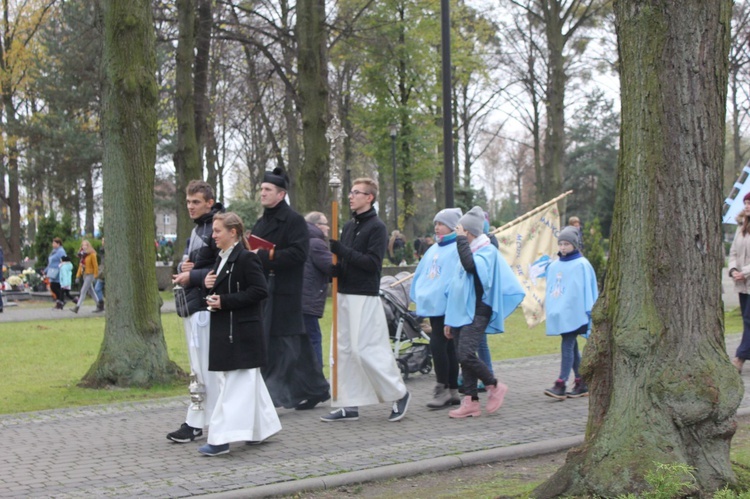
(403, 470)
(414, 468)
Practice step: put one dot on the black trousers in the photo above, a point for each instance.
(468, 338)
(444, 357)
(743, 351)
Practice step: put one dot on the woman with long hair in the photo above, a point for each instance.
(237, 348)
(88, 268)
(739, 271)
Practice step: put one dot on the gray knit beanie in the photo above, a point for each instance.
(448, 217)
(569, 234)
(473, 221)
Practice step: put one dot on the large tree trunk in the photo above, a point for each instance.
(202, 62)
(554, 140)
(662, 388)
(187, 160)
(313, 95)
(133, 352)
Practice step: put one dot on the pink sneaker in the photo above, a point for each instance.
(495, 396)
(468, 408)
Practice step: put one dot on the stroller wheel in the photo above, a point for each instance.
(404, 368)
(426, 369)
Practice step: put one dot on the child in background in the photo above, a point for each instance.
(66, 279)
(571, 294)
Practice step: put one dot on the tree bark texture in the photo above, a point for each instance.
(312, 74)
(662, 388)
(554, 141)
(187, 159)
(133, 352)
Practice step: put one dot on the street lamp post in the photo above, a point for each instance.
(393, 130)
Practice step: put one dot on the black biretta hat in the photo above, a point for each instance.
(278, 178)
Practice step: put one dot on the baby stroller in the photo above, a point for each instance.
(411, 345)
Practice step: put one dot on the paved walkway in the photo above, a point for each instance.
(120, 450)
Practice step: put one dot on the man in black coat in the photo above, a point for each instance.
(367, 370)
(200, 256)
(292, 374)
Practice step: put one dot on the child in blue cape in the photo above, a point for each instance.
(66, 279)
(428, 291)
(481, 295)
(571, 294)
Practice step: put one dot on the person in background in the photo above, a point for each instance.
(318, 268)
(428, 290)
(237, 346)
(739, 271)
(88, 269)
(571, 294)
(396, 244)
(52, 271)
(99, 284)
(576, 222)
(2, 277)
(66, 279)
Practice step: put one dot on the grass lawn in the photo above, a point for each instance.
(44, 360)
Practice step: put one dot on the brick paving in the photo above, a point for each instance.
(120, 450)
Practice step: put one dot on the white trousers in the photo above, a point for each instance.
(197, 331)
(244, 409)
(367, 370)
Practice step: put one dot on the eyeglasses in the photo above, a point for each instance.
(355, 192)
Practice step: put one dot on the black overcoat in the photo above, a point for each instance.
(237, 340)
(287, 229)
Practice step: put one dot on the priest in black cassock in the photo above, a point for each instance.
(292, 375)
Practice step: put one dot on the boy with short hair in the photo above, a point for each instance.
(367, 370)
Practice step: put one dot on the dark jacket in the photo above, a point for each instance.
(288, 231)
(237, 340)
(202, 251)
(361, 249)
(317, 273)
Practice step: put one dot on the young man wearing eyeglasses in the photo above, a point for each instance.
(367, 370)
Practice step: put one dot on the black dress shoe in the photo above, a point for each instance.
(312, 402)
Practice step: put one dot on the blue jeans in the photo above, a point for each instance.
(99, 289)
(312, 326)
(571, 356)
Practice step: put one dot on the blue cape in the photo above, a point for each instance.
(432, 277)
(502, 291)
(571, 294)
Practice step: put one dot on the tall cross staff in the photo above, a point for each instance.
(334, 135)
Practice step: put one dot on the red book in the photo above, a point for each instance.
(259, 243)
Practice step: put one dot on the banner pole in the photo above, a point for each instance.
(531, 213)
